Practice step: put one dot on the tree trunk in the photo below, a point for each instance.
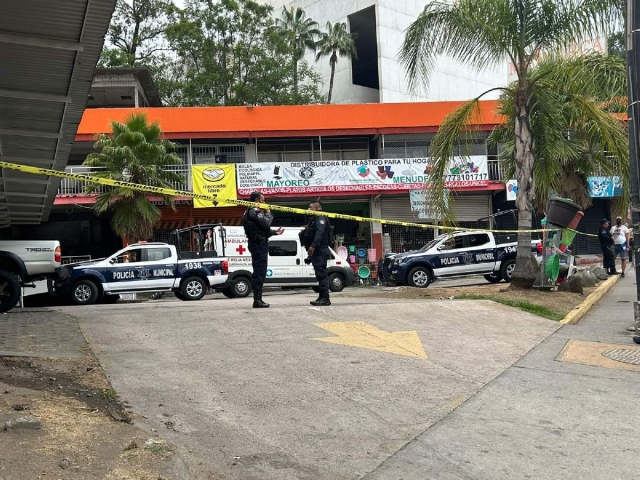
(524, 275)
(333, 61)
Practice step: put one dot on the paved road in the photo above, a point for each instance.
(251, 394)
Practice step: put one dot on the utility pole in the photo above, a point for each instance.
(632, 27)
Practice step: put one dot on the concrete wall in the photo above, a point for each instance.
(449, 81)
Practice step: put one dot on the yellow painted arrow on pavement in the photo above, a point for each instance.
(363, 335)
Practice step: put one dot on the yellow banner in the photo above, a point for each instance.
(214, 180)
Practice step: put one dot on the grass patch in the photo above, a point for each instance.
(539, 310)
(109, 394)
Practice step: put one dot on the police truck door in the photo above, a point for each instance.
(124, 271)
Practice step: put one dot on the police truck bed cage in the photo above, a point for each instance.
(200, 243)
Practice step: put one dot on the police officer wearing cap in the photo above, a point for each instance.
(607, 246)
(257, 227)
(317, 233)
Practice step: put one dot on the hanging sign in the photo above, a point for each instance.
(214, 180)
(334, 176)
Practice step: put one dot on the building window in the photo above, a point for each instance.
(364, 69)
(203, 154)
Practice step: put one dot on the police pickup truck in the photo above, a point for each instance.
(453, 255)
(142, 267)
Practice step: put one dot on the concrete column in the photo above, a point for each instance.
(135, 97)
(376, 228)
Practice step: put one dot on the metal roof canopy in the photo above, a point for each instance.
(48, 53)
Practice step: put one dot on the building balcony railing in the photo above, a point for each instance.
(74, 188)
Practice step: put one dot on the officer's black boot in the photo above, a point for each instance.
(323, 301)
(257, 301)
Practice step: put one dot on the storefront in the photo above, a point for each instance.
(468, 208)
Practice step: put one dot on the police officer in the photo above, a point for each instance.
(257, 227)
(607, 246)
(318, 232)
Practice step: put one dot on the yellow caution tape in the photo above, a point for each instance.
(242, 203)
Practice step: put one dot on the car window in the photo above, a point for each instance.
(478, 239)
(130, 256)
(453, 243)
(158, 254)
(283, 248)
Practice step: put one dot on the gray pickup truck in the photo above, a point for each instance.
(23, 262)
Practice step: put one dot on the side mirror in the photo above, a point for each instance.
(112, 261)
(440, 248)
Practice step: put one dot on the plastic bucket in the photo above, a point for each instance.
(552, 267)
(568, 236)
(576, 220)
(364, 272)
(562, 212)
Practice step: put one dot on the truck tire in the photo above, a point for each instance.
(193, 288)
(336, 282)
(240, 287)
(419, 277)
(507, 268)
(493, 278)
(178, 295)
(84, 292)
(227, 292)
(9, 291)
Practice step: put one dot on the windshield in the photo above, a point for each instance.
(433, 242)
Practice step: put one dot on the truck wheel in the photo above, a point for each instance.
(84, 292)
(493, 278)
(178, 295)
(336, 282)
(9, 291)
(193, 288)
(507, 270)
(240, 287)
(419, 277)
(227, 292)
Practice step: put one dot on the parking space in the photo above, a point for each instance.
(296, 391)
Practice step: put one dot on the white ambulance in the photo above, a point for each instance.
(286, 267)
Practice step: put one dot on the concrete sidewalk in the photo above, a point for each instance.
(564, 411)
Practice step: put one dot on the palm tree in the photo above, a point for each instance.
(336, 41)
(570, 146)
(301, 33)
(485, 33)
(134, 152)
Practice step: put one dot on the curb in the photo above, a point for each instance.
(577, 313)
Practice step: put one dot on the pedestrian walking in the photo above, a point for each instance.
(607, 246)
(257, 227)
(318, 233)
(620, 234)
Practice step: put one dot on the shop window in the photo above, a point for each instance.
(283, 248)
(478, 240)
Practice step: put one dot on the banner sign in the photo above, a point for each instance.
(420, 204)
(335, 176)
(512, 190)
(605, 187)
(214, 180)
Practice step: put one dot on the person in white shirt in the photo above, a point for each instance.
(620, 235)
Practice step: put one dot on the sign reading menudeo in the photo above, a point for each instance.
(356, 175)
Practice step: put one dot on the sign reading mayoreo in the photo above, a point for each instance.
(356, 175)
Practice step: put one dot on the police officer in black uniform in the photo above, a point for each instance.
(316, 235)
(607, 246)
(257, 227)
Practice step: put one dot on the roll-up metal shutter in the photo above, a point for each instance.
(469, 207)
(399, 209)
(590, 223)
